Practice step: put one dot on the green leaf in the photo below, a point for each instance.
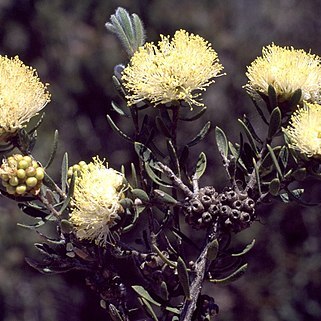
(139, 30)
(194, 116)
(69, 195)
(246, 249)
(149, 309)
(114, 313)
(134, 174)
(272, 97)
(259, 110)
(276, 164)
(53, 150)
(166, 198)
(141, 194)
(251, 129)
(126, 202)
(162, 127)
(118, 110)
(64, 173)
(249, 136)
(236, 154)
(275, 122)
(284, 156)
(221, 141)
(32, 211)
(39, 122)
(274, 186)
(201, 165)
(117, 130)
(118, 86)
(144, 294)
(296, 97)
(146, 155)
(257, 176)
(200, 135)
(212, 250)
(183, 277)
(154, 177)
(66, 226)
(300, 174)
(232, 277)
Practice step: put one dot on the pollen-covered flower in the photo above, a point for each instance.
(22, 95)
(95, 203)
(304, 130)
(287, 70)
(171, 71)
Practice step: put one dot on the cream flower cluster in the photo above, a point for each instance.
(287, 70)
(22, 95)
(95, 203)
(172, 70)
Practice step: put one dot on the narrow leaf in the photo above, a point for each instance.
(232, 277)
(275, 122)
(201, 165)
(272, 97)
(146, 155)
(275, 161)
(134, 174)
(200, 135)
(144, 294)
(69, 195)
(249, 136)
(183, 277)
(118, 110)
(139, 30)
(141, 194)
(257, 176)
(296, 97)
(246, 249)
(221, 141)
(173, 155)
(162, 127)
(212, 250)
(194, 116)
(64, 173)
(117, 130)
(154, 177)
(53, 150)
(114, 313)
(149, 309)
(274, 186)
(166, 198)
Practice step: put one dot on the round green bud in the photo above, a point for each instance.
(21, 189)
(27, 159)
(14, 181)
(11, 190)
(18, 157)
(76, 168)
(20, 173)
(5, 184)
(34, 164)
(31, 181)
(5, 177)
(30, 171)
(23, 164)
(11, 161)
(40, 173)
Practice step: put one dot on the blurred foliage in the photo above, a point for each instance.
(67, 43)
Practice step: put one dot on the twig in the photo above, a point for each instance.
(177, 181)
(49, 206)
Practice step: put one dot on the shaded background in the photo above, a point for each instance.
(68, 44)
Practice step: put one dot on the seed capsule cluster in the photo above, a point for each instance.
(21, 175)
(233, 210)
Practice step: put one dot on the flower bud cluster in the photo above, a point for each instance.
(21, 175)
(75, 169)
(234, 210)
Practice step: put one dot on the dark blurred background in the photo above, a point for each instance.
(68, 44)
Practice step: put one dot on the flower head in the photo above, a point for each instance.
(304, 130)
(96, 208)
(287, 70)
(22, 95)
(172, 70)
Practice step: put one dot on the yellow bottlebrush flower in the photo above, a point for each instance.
(22, 95)
(304, 130)
(286, 69)
(171, 71)
(95, 203)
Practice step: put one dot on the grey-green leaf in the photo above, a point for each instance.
(146, 155)
(200, 135)
(275, 122)
(183, 276)
(64, 173)
(212, 250)
(232, 277)
(246, 249)
(141, 194)
(53, 149)
(201, 165)
(166, 198)
(221, 141)
(117, 130)
(275, 161)
(114, 313)
(272, 97)
(144, 294)
(274, 186)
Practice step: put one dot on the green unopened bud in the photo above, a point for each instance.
(20, 173)
(21, 189)
(11, 190)
(23, 164)
(5, 177)
(40, 173)
(14, 181)
(30, 171)
(28, 159)
(31, 181)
